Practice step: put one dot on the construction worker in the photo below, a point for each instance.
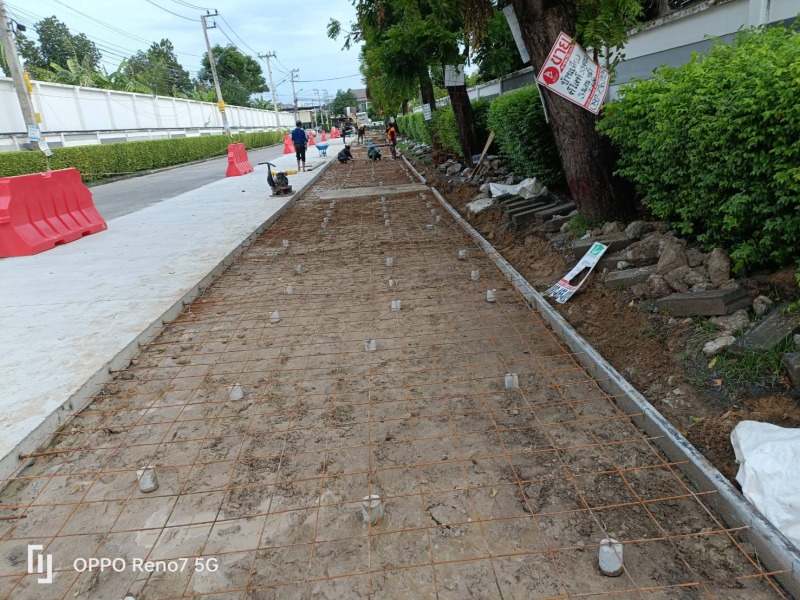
(300, 140)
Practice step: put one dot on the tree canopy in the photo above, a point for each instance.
(341, 101)
(158, 68)
(497, 54)
(240, 76)
(57, 45)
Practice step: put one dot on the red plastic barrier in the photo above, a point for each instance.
(238, 163)
(42, 210)
(310, 138)
(288, 145)
(324, 139)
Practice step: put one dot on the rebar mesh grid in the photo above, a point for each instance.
(266, 437)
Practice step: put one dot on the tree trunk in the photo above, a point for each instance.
(428, 97)
(588, 159)
(462, 108)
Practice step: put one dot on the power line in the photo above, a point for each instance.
(34, 17)
(171, 12)
(330, 79)
(238, 36)
(194, 6)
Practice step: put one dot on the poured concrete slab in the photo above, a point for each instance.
(386, 190)
(66, 313)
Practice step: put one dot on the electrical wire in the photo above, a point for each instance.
(171, 12)
(194, 6)
(329, 79)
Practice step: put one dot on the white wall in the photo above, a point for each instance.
(66, 108)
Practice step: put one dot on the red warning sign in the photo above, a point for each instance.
(569, 72)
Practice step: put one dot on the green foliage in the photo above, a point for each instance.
(99, 162)
(497, 54)
(57, 45)
(159, 69)
(480, 114)
(714, 145)
(415, 127)
(605, 24)
(341, 101)
(444, 123)
(524, 137)
(240, 75)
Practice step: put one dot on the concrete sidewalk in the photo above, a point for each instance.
(66, 313)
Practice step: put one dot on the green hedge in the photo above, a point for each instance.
(414, 126)
(524, 137)
(714, 145)
(444, 123)
(103, 161)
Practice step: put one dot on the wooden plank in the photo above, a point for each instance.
(489, 141)
(709, 303)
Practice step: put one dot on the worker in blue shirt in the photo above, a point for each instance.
(300, 141)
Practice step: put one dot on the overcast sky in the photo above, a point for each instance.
(295, 31)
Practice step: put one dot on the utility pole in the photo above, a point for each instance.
(319, 104)
(266, 57)
(293, 73)
(212, 63)
(22, 85)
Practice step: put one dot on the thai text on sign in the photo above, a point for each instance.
(569, 72)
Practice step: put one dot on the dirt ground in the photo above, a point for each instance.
(647, 349)
(269, 418)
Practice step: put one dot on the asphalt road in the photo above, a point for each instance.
(129, 195)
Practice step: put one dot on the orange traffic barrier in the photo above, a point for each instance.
(311, 138)
(43, 210)
(238, 163)
(288, 145)
(324, 139)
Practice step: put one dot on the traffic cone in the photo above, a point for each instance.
(324, 139)
(288, 145)
(311, 139)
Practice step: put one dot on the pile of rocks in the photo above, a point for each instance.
(652, 262)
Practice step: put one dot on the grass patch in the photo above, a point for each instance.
(729, 376)
(580, 225)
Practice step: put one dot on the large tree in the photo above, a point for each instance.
(57, 45)
(342, 101)
(240, 75)
(158, 68)
(588, 159)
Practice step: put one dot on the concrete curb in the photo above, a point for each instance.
(772, 547)
(11, 465)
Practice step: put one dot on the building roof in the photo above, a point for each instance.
(361, 94)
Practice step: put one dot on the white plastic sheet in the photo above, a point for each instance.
(769, 472)
(530, 188)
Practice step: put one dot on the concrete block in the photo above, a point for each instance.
(615, 242)
(710, 303)
(556, 223)
(791, 362)
(629, 277)
(775, 328)
(561, 209)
